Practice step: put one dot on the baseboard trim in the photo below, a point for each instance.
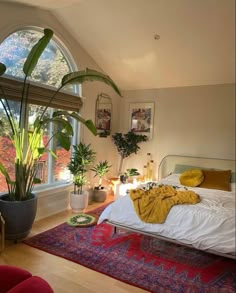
(52, 201)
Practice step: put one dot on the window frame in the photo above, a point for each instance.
(78, 92)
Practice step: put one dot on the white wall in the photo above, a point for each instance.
(195, 121)
(14, 16)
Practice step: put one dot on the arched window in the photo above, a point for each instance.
(52, 66)
(54, 63)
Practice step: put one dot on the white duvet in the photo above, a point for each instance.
(209, 224)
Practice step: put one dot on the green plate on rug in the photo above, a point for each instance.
(82, 220)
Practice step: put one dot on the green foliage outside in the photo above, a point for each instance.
(51, 67)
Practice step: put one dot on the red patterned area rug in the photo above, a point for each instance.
(154, 265)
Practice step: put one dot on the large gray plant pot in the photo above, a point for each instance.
(19, 216)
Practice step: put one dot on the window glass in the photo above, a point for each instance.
(42, 165)
(59, 166)
(52, 66)
(63, 157)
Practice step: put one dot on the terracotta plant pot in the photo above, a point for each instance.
(99, 195)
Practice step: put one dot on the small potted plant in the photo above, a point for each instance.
(129, 175)
(83, 156)
(100, 192)
(132, 173)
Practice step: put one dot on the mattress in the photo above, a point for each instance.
(209, 224)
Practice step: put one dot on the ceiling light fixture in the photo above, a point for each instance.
(156, 37)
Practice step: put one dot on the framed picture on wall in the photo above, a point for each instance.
(103, 115)
(141, 118)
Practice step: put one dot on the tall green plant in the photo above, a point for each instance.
(28, 143)
(83, 156)
(127, 144)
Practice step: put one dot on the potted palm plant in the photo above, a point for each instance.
(19, 205)
(100, 169)
(83, 156)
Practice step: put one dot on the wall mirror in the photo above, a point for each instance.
(103, 114)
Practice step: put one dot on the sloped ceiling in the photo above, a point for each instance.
(196, 45)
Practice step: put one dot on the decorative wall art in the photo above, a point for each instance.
(103, 115)
(141, 118)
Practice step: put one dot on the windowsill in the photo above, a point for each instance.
(42, 191)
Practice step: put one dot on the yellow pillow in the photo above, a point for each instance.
(216, 179)
(192, 177)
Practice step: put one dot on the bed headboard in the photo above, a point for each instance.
(168, 163)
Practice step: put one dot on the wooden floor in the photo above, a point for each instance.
(63, 276)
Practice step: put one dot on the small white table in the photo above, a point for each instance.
(120, 189)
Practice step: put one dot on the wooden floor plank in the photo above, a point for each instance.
(64, 276)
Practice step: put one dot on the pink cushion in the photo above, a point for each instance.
(32, 285)
(10, 276)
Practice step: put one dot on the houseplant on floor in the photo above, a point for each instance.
(132, 174)
(100, 169)
(127, 144)
(19, 205)
(83, 156)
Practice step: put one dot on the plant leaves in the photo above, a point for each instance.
(65, 124)
(2, 68)
(64, 140)
(36, 52)
(90, 125)
(77, 117)
(3, 170)
(52, 153)
(36, 180)
(5, 174)
(41, 150)
(88, 75)
(35, 143)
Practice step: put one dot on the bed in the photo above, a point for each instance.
(208, 225)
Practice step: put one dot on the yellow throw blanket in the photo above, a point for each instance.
(153, 206)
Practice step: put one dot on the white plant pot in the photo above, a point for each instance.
(79, 202)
